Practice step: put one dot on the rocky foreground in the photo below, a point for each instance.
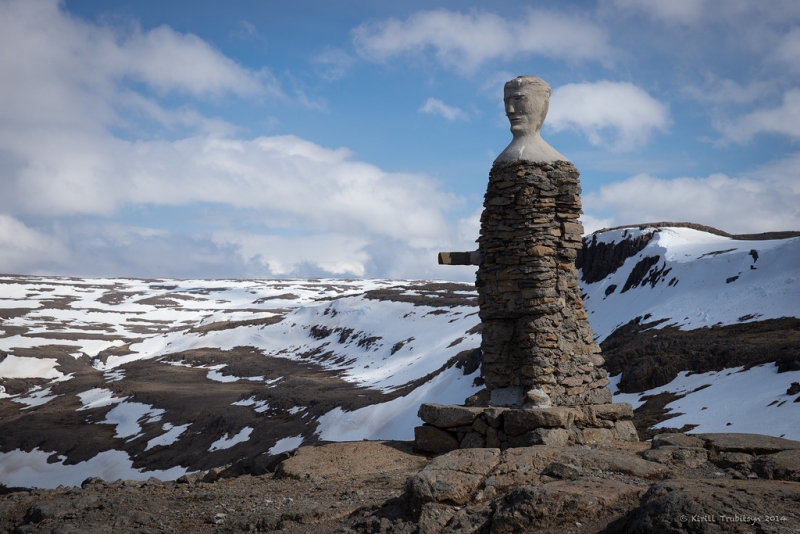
(676, 483)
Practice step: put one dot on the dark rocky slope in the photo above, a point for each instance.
(678, 483)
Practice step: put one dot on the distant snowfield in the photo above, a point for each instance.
(708, 280)
(381, 344)
(733, 400)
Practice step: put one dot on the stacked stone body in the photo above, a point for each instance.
(541, 366)
(536, 337)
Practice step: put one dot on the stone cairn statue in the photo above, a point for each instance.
(541, 366)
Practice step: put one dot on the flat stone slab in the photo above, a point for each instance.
(556, 437)
(677, 440)
(613, 412)
(448, 416)
(685, 456)
(361, 458)
(520, 421)
(506, 397)
(613, 460)
(749, 443)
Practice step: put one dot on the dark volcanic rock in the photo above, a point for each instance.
(598, 260)
(717, 506)
(531, 508)
(647, 362)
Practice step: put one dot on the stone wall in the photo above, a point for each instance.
(536, 337)
(452, 427)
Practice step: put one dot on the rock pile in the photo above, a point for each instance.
(535, 330)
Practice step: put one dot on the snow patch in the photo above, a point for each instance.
(32, 470)
(169, 437)
(128, 415)
(27, 367)
(228, 442)
(396, 419)
(286, 444)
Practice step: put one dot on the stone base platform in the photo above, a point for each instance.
(453, 427)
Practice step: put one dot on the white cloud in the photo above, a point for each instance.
(333, 63)
(767, 199)
(783, 119)
(337, 254)
(788, 50)
(672, 11)
(701, 14)
(466, 41)
(434, 106)
(54, 52)
(309, 210)
(25, 249)
(619, 115)
(720, 91)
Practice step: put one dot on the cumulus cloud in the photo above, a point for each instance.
(333, 63)
(434, 106)
(788, 50)
(26, 249)
(766, 199)
(280, 205)
(673, 11)
(699, 14)
(465, 41)
(783, 119)
(618, 115)
(722, 91)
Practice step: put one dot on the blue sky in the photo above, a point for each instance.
(354, 139)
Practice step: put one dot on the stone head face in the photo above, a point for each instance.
(526, 100)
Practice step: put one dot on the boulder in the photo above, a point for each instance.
(428, 438)
(535, 508)
(625, 431)
(448, 416)
(784, 465)
(520, 466)
(556, 437)
(516, 422)
(453, 477)
(716, 506)
(614, 412)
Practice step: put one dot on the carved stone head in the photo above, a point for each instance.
(527, 99)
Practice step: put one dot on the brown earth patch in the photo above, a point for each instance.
(438, 295)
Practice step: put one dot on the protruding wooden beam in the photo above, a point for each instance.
(460, 258)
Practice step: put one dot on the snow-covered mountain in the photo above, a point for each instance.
(704, 321)
(131, 378)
